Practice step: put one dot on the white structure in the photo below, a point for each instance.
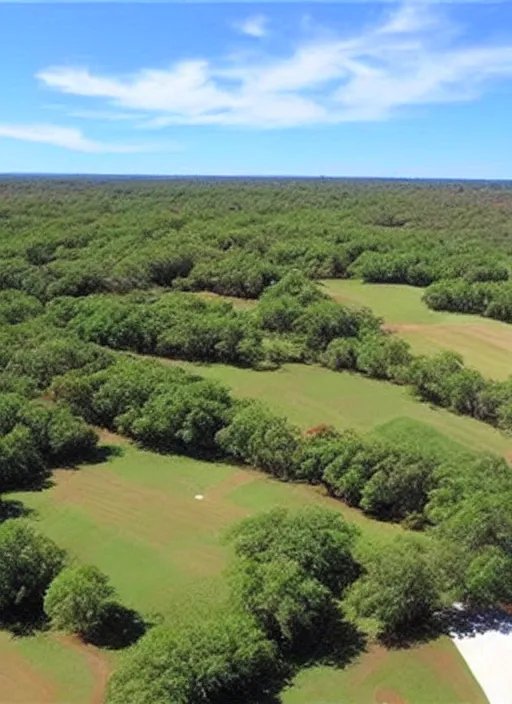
(485, 643)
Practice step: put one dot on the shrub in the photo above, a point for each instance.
(397, 587)
(75, 600)
(28, 564)
(222, 660)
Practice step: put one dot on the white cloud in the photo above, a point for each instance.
(67, 138)
(414, 56)
(253, 26)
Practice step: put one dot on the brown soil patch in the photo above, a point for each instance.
(109, 438)
(444, 659)
(368, 663)
(96, 661)
(388, 696)
(20, 683)
(165, 519)
(317, 430)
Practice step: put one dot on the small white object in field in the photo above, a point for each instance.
(199, 497)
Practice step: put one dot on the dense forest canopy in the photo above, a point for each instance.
(96, 275)
(236, 236)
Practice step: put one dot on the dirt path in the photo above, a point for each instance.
(96, 661)
(20, 683)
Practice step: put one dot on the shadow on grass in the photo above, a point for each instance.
(120, 627)
(25, 620)
(336, 645)
(452, 622)
(98, 455)
(413, 635)
(103, 453)
(12, 508)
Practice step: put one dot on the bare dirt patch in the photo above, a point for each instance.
(445, 661)
(20, 683)
(109, 438)
(96, 661)
(369, 663)
(388, 696)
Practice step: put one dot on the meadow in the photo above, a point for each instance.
(485, 344)
(135, 517)
(312, 395)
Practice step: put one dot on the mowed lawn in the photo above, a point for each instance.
(136, 517)
(485, 344)
(311, 395)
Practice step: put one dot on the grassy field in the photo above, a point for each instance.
(485, 344)
(136, 518)
(383, 676)
(310, 395)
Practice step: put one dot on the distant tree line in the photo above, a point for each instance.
(63, 238)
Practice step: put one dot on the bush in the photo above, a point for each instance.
(292, 607)
(384, 357)
(341, 354)
(28, 564)
(398, 587)
(318, 540)
(16, 306)
(258, 437)
(222, 660)
(76, 599)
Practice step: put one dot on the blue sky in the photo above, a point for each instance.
(416, 88)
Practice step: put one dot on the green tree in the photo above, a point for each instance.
(28, 563)
(398, 586)
(223, 660)
(317, 539)
(76, 599)
(261, 438)
(291, 606)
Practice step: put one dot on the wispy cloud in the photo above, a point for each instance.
(412, 57)
(253, 26)
(70, 138)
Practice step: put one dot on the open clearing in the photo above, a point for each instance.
(485, 344)
(136, 518)
(311, 395)
(378, 677)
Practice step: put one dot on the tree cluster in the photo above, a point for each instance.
(289, 571)
(163, 408)
(79, 237)
(492, 300)
(169, 325)
(34, 437)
